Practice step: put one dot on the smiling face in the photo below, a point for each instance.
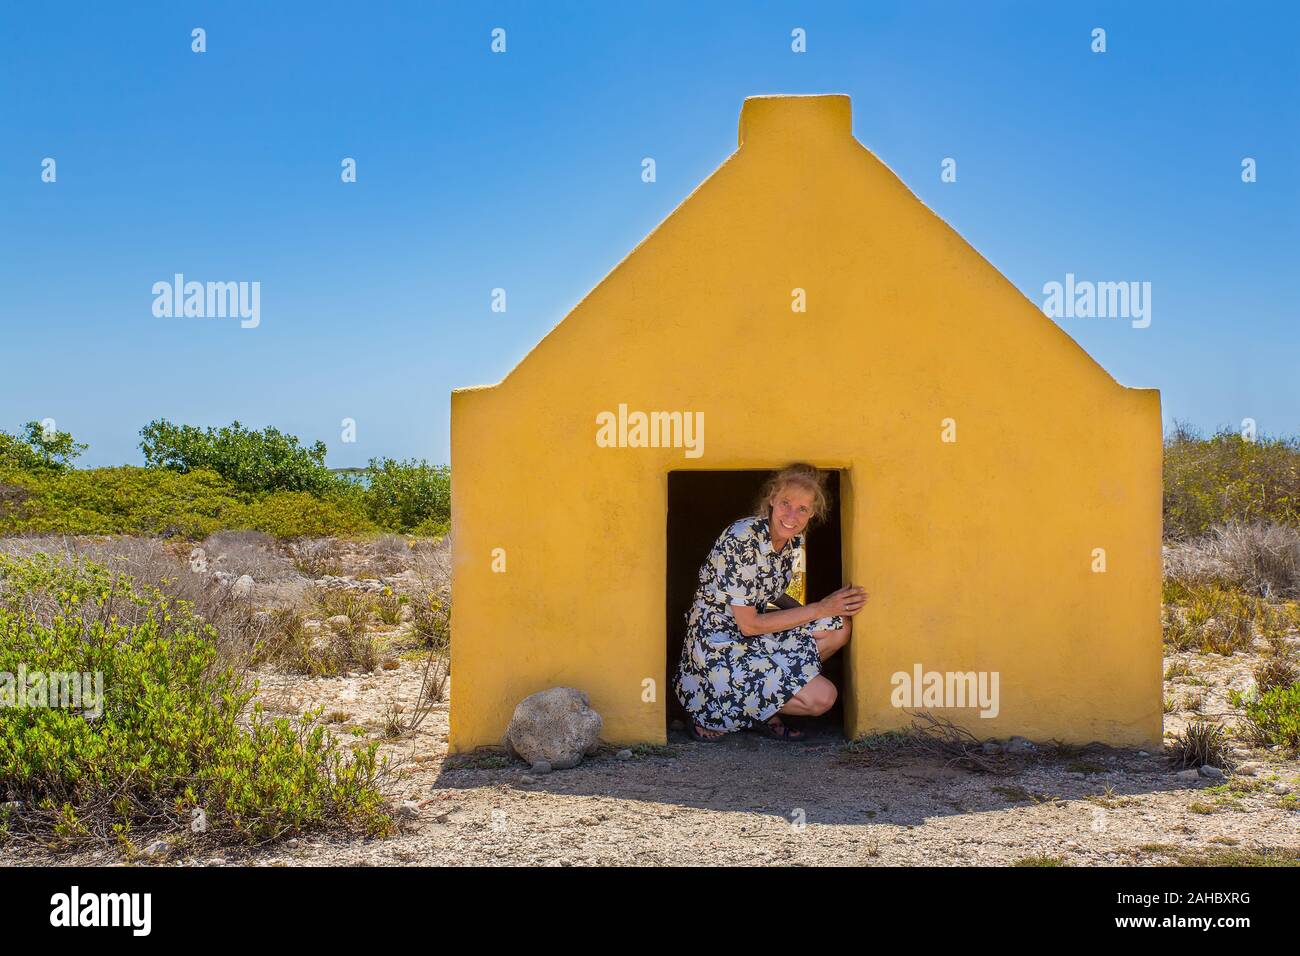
(792, 508)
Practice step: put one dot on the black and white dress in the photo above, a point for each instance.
(727, 681)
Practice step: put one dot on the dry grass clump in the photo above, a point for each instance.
(1211, 619)
(247, 552)
(430, 603)
(317, 557)
(394, 724)
(1178, 669)
(1178, 635)
(337, 602)
(351, 652)
(936, 737)
(431, 621)
(1264, 558)
(1202, 742)
(431, 563)
(391, 544)
(1260, 558)
(1275, 671)
(1275, 628)
(316, 651)
(388, 554)
(430, 624)
(1191, 563)
(292, 646)
(433, 691)
(388, 608)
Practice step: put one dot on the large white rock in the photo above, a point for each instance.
(555, 726)
(242, 588)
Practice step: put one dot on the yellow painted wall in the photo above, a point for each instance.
(977, 554)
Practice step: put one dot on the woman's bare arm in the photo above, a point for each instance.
(752, 624)
(846, 601)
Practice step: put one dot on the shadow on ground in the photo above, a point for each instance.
(749, 773)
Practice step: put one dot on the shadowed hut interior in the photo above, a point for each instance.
(700, 505)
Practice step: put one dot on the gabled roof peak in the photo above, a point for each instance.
(786, 117)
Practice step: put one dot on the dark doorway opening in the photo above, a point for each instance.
(700, 505)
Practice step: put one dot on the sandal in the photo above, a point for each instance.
(694, 731)
(782, 732)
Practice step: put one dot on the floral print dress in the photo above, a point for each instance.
(727, 681)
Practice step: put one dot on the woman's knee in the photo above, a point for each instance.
(822, 695)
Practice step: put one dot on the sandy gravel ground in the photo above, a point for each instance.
(752, 800)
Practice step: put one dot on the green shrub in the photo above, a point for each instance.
(298, 514)
(1273, 718)
(432, 528)
(406, 495)
(38, 450)
(155, 501)
(1210, 481)
(254, 462)
(125, 500)
(199, 481)
(175, 732)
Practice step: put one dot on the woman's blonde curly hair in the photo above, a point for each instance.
(802, 475)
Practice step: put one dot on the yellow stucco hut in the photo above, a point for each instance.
(997, 493)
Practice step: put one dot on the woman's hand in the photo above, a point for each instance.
(844, 602)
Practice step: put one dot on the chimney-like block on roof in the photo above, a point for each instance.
(795, 117)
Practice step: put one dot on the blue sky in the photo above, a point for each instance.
(522, 171)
